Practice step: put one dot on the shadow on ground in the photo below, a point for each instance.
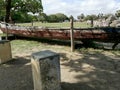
(94, 71)
(16, 75)
(75, 86)
(78, 44)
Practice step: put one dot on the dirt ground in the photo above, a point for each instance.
(84, 69)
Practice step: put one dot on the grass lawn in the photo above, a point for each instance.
(28, 46)
(1, 34)
(56, 25)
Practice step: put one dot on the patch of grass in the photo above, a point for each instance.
(30, 46)
(57, 25)
(1, 34)
(25, 47)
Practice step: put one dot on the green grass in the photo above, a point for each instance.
(31, 46)
(26, 46)
(57, 25)
(1, 34)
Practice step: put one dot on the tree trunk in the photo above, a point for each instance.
(8, 8)
(7, 16)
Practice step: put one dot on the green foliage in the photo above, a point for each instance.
(34, 6)
(81, 17)
(21, 17)
(43, 17)
(107, 16)
(117, 13)
(91, 17)
(59, 17)
(19, 9)
(2, 5)
(2, 15)
(2, 10)
(100, 15)
(52, 18)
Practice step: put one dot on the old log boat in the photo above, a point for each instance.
(105, 34)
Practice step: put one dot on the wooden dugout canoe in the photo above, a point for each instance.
(105, 34)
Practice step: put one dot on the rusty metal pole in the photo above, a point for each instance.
(72, 33)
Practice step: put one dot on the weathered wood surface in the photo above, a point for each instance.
(110, 34)
(72, 33)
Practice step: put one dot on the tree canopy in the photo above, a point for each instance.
(81, 17)
(34, 6)
(12, 7)
(58, 17)
(43, 17)
(61, 17)
(117, 13)
(2, 9)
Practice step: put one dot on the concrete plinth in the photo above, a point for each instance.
(0, 31)
(0, 38)
(46, 70)
(5, 51)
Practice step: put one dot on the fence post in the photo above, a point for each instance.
(32, 22)
(46, 70)
(92, 22)
(6, 32)
(72, 33)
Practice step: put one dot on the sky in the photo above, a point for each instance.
(76, 7)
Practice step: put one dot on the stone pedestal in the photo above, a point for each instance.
(0, 31)
(5, 51)
(0, 38)
(46, 70)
